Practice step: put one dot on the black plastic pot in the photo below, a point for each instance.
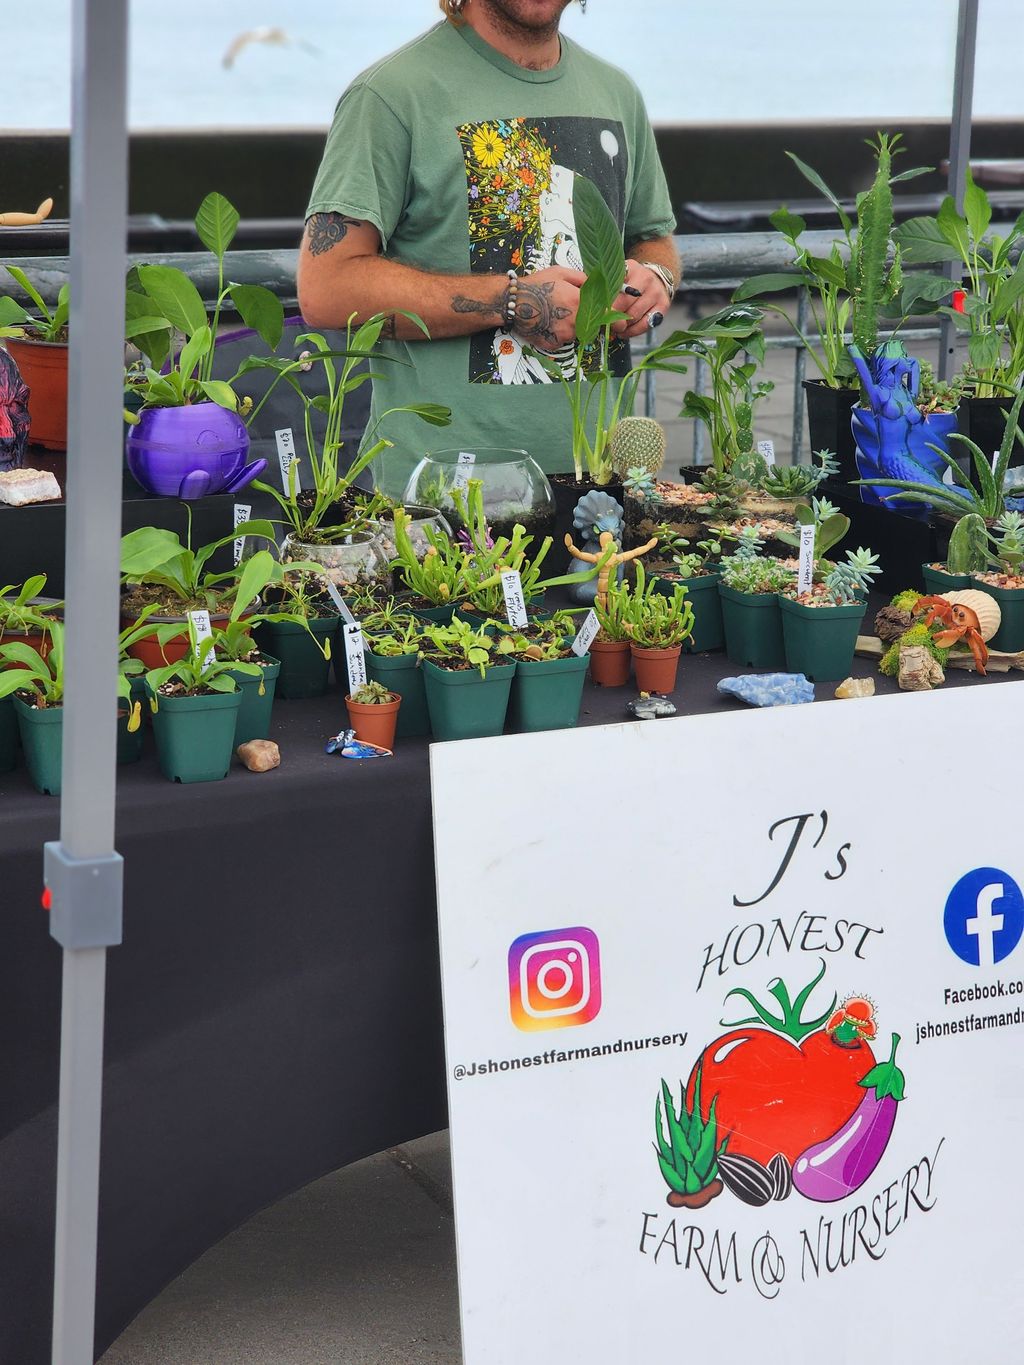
(902, 543)
(567, 494)
(984, 421)
(828, 417)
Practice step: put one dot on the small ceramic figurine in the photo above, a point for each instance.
(613, 562)
(13, 414)
(595, 513)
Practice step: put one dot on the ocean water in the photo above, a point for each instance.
(733, 60)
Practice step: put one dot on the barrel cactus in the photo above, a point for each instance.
(638, 443)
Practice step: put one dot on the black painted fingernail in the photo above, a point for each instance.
(633, 293)
(656, 319)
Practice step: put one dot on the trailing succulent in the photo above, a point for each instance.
(847, 582)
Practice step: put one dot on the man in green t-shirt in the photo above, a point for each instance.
(449, 166)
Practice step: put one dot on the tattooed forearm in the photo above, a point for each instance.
(535, 312)
(493, 308)
(324, 230)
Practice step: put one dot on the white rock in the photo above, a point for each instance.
(21, 486)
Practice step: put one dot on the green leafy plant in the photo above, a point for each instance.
(992, 316)
(464, 646)
(655, 621)
(731, 344)
(157, 559)
(43, 325)
(830, 526)
(756, 574)
(986, 497)
(307, 512)
(853, 282)
(161, 300)
(725, 491)
(940, 395)
(200, 671)
(689, 563)
(373, 694)
(968, 545)
(25, 669)
(440, 576)
(791, 480)
(18, 613)
(639, 482)
(686, 1144)
(1007, 539)
(847, 582)
(398, 638)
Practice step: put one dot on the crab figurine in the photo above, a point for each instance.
(960, 623)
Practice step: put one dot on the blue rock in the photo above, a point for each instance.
(768, 689)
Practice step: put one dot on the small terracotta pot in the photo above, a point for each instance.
(656, 668)
(609, 663)
(40, 643)
(375, 723)
(149, 651)
(44, 368)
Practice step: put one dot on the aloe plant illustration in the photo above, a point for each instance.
(687, 1147)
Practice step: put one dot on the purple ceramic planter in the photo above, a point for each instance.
(191, 451)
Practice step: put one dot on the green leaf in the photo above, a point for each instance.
(12, 312)
(886, 1079)
(922, 242)
(139, 327)
(594, 303)
(815, 179)
(912, 174)
(928, 287)
(261, 310)
(977, 209)
(954, 228)
(62, 311)
(983, 350)
(217, 222)
(193, 351)
(766, 284)
(598, 235)
(29, 288)
(175, 296)
(221, 393)
(791, 225)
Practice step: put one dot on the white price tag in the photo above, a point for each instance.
(586, 634)
(805, 577)
(766, 449)
(204, 635)
(243, 512)
(463, 469)
(355, 657)
(515, 605)
(286, 455)
(344, 610)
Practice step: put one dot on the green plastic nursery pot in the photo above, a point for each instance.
(42, 733)
(1009, 638)
(129, 744)
(463, 705)
(655, 669)
(438, 616)
(937, 581)
(195, 736)
(8, 735)
(401, 674)
(820, 641)
(702, 595)
(303, 669)
(546, 693)
(253, 720)
(753, 628)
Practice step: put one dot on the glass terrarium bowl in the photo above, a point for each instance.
(515, 488)
(420, 520)
(356, 560)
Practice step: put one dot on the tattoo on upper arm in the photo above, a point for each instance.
(324, 230)
(390, 329)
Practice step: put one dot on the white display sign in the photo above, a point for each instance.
(515, 605)
(355, 656)
(344, 610)
(286, 456)
(464, 467)
(243, 511)
(805, 572)
(587, 634)
(203, 631)
(832, 950)
(766, 449)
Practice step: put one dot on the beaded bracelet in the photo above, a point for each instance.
(509, 318)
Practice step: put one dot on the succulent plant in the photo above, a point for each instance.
(968, 545)
(638, 442)
(791, 480)
(639, 482)
(1008, 542)
(687, 1145)
(848, 581)
(373, 694)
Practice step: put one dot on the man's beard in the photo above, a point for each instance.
(518, 19)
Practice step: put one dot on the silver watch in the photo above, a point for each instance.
(663, 274)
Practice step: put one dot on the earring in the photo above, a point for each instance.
(583, 6)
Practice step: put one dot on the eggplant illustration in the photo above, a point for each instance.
(840, 1164)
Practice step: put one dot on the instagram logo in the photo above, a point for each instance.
(554, 979)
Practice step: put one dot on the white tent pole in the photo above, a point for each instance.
(82, 872)
(959, 150)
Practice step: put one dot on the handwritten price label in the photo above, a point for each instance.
(463, 470)
(515, 604)
(243, 512)
(805, 575)
(766, 449)
(355, 656)
(204, 635)
(286, 455)
(586, 634)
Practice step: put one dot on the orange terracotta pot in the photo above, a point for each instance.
(149, 649)
(609, 663)
(44, 368)
(40, 643)
(656, 668)
(375, 723)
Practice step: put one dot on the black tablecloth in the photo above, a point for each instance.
(273, 1013)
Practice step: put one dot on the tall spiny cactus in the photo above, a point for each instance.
(874, 226)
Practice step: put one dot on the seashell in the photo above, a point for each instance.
(746, 1178)
(986, 608)
(781, 1173)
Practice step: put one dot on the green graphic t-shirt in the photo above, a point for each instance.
(463, 161)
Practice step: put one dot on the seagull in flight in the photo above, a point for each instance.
(275, 36)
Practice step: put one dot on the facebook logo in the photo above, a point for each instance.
(984, 917)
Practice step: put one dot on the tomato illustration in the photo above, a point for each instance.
(784, 1087)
